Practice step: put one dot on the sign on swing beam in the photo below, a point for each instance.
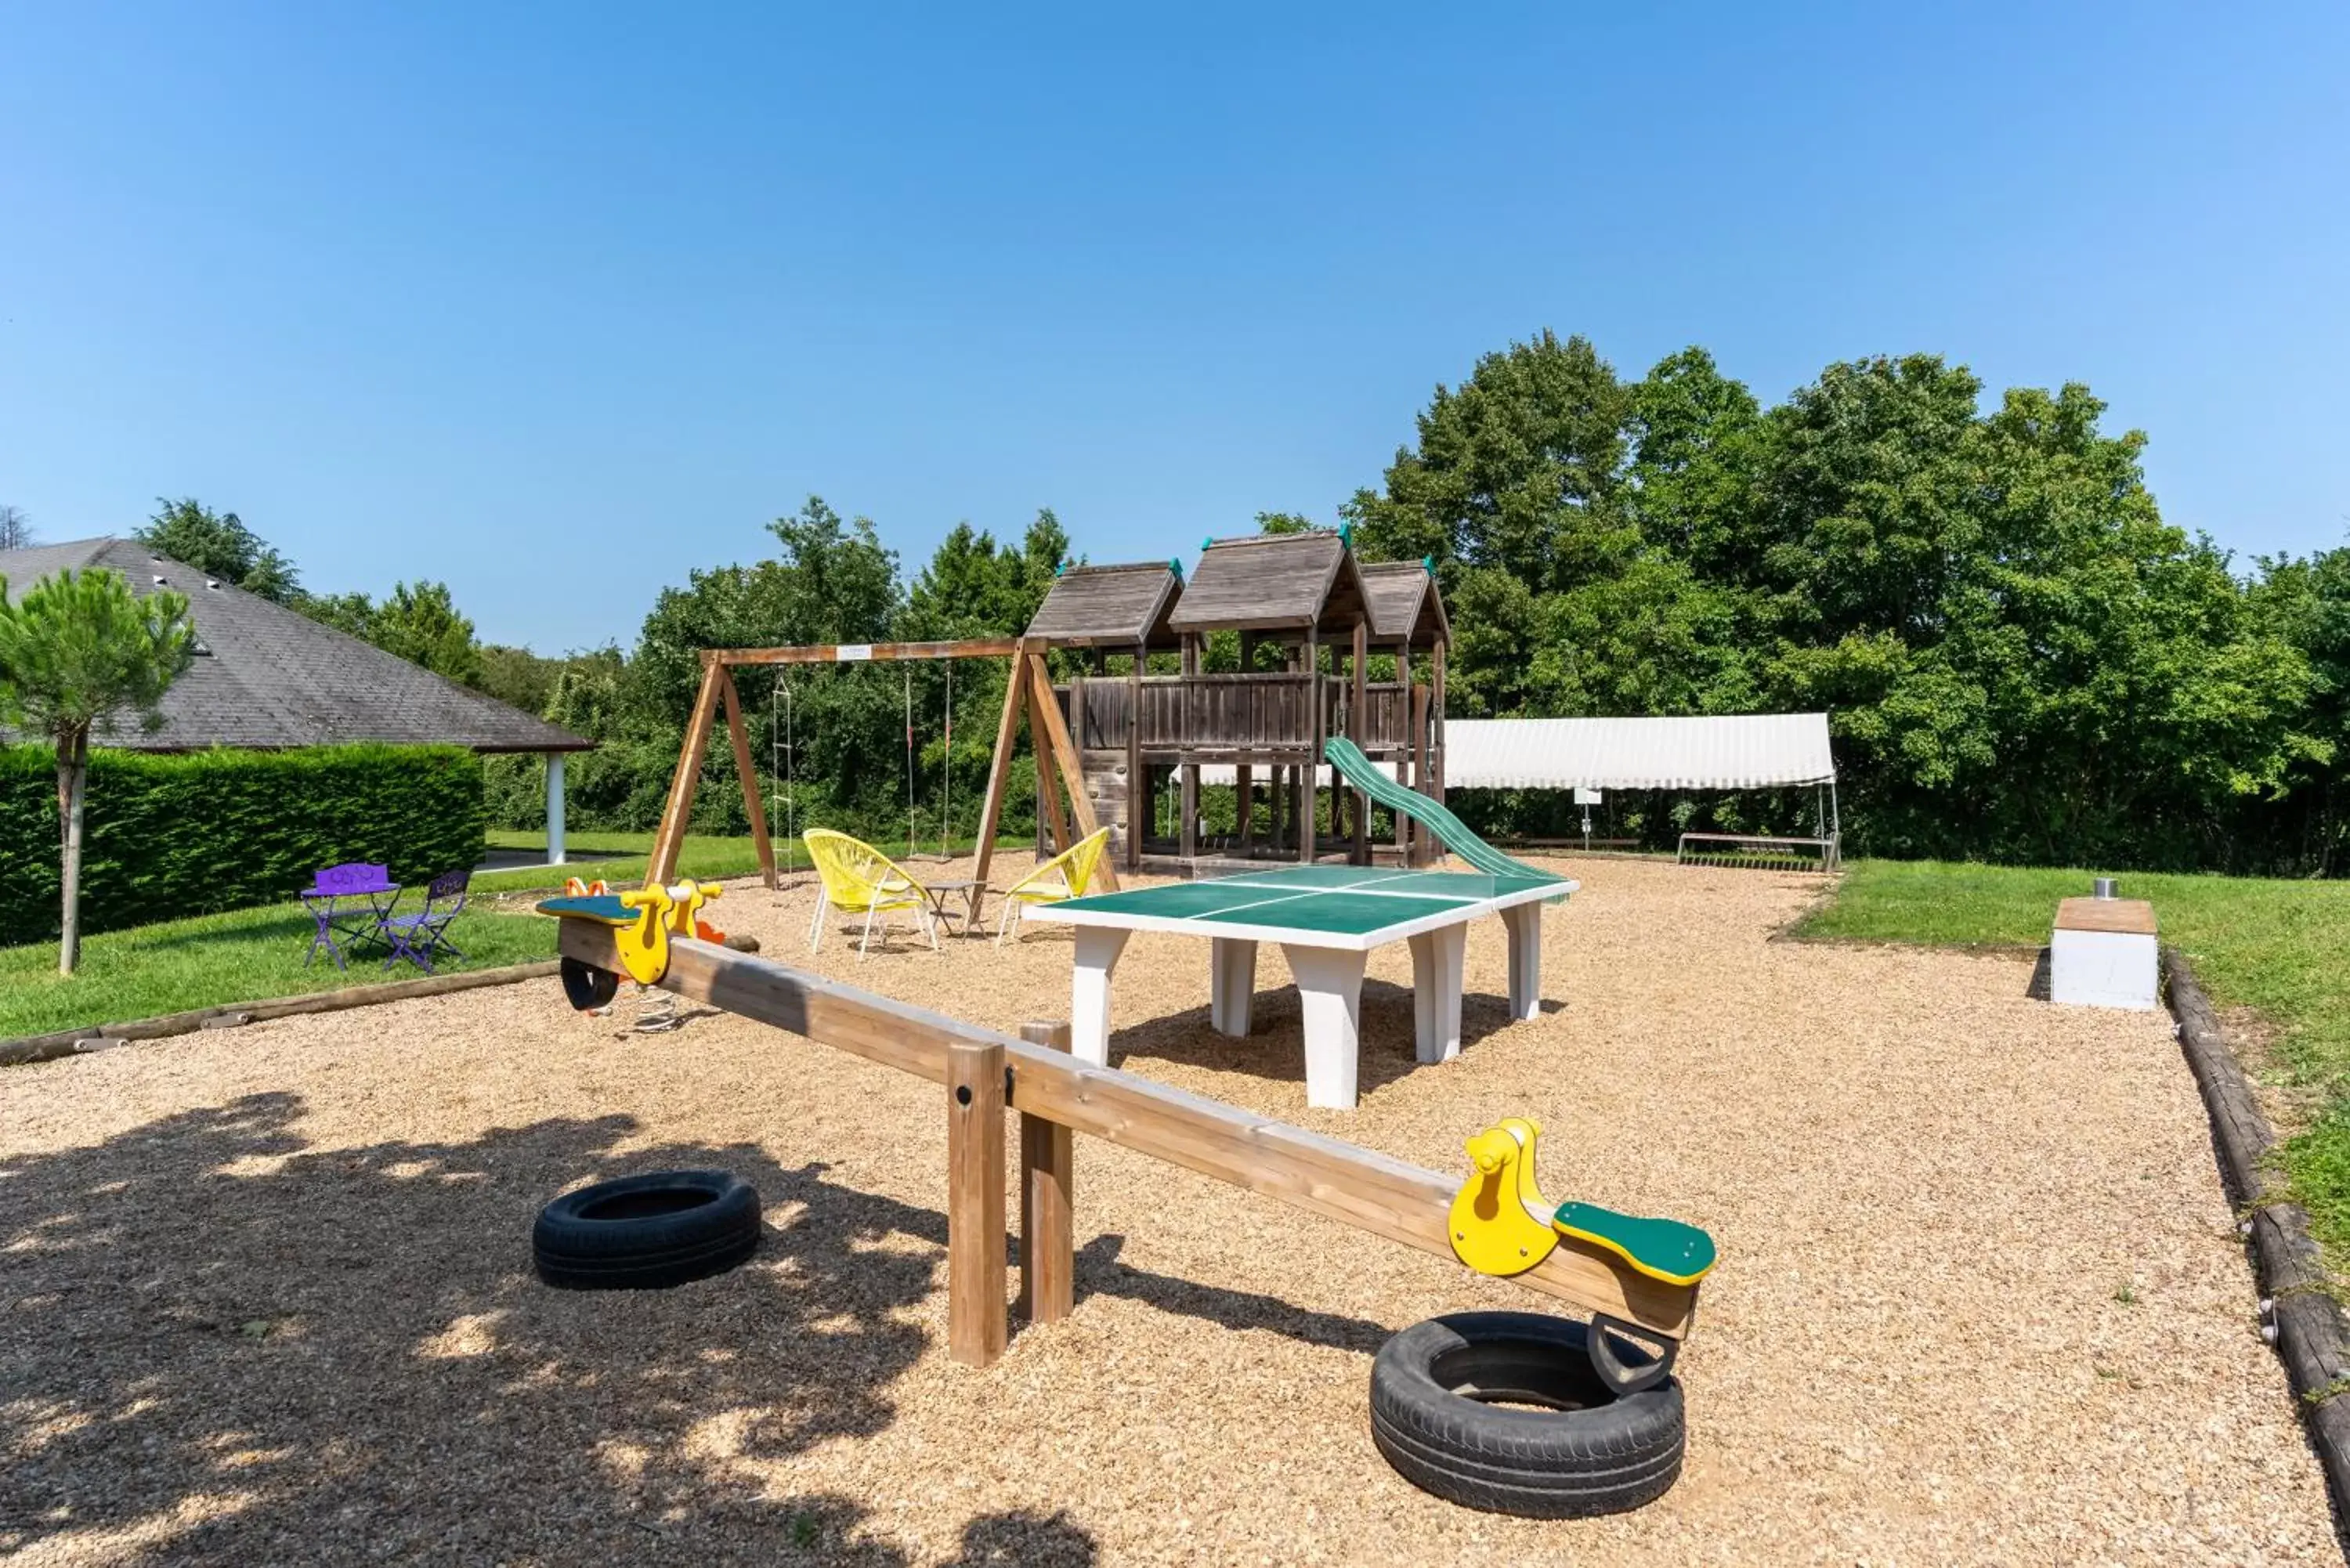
(853, 652)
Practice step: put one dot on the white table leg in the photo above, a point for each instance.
(1436, 965)
(1330, 984)
(1524, 921)
(1097, 952)
(1232, 984)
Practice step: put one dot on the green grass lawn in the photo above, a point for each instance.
(252, 955)
(249, 955)
(2280, 948)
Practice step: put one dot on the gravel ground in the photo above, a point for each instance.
(268, 1300)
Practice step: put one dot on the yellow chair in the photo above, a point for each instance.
(857, 878)
(1065, 875)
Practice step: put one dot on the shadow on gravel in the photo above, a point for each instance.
(224, 1347)
(1275, 1046)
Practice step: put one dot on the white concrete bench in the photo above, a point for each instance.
(2102, 954)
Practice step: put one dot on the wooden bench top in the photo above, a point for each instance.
(2127, 917)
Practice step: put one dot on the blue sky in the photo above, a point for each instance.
(556, 303)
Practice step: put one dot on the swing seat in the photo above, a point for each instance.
(1664, 1250)
(859, 879)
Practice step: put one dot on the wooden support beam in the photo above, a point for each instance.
(741, 737)
(1436, 719)
(1244, 779)
(1052, 822)
(999, 772)
(1424, 841)
(976, 1329)
(1337, 1180)
(1187, 831)
(1053, 735)
(1358, 729)
(679, 809)
(1308, 790)
(863, 653)
(1047, 1212)
(1137, 792)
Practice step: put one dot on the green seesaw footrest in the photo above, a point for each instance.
(605, 907)
(1663, 1249)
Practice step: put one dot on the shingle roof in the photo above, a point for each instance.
(1110, 607)
(1404, 602)
(1270, 581)
(272, 678)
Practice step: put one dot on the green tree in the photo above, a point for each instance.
(15, 528)
(76, 653)
(219, 545)
(422, 625)
(1519, 468)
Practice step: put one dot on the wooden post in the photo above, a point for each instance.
(1243, 780)
(1138, 794)
(1358, 729)
(1309, 791)
(741, 737)
(679, 809)
(1051, 824)
(1187, 836)
(1436, 718)
(976, 1329)
(1047, 1217)
(1420, 759)
(999, 769)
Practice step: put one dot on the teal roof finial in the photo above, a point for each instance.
(1428, 563)
(1346, 534)
(1208, 543)
(1175, 566)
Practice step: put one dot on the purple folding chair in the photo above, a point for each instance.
(424, 935)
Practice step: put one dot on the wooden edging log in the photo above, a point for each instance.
(1390, 1197)
(2307, 1322)
(105, 1036)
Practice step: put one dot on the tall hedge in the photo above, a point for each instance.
(173, 835)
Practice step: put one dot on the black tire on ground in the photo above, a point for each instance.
(1442, 1398)
(645, 1233)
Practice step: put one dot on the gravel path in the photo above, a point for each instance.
(267, 1295)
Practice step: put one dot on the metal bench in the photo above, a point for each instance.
(1760, 851)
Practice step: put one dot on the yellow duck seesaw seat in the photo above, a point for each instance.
(643, 920)
(1500, 1224)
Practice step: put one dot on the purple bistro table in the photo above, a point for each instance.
(351, 901)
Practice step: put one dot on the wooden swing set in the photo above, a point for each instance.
(1029, 690)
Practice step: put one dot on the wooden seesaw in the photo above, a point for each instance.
(1626, 1272)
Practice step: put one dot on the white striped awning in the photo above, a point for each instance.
(1745, 750)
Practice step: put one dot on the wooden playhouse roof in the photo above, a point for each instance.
(1268, 582)
(1110, 607)
(1405, 604)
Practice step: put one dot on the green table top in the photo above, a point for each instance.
(1351, 900)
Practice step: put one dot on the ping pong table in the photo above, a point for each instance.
(1327, 918)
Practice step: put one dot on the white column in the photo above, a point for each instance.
(1330, 984)
(1436, 966)
(1097, 952)
(554, 808)
(1232, 984)
(1524, 921)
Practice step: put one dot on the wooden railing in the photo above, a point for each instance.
(1231, 713)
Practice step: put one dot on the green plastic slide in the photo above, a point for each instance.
(1450, 831)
